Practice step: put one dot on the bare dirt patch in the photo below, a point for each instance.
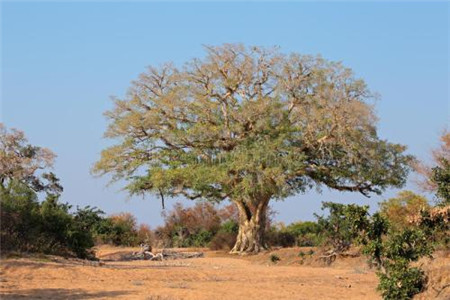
(216, 276)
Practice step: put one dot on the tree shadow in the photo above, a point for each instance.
(60, 294)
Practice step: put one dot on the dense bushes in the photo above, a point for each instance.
(391, 245)
(196, 226)
(47, 227)
(341, 227)
(119, 230)
(51, 227)
(393, 251)
(205, 225)
(302, 234)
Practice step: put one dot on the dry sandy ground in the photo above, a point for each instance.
(217, 276)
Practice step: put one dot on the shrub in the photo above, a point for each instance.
(190, 227)
(230, 226)
(274, 258)
(401, 281)
(119, 230)
(440, 176)
(343, 224)
(306, 233)
(199, 239)
(392, 251)
(46, 227)
(20, 217)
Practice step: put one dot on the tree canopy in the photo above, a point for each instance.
(249, 124)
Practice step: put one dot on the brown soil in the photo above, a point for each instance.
(216, 276)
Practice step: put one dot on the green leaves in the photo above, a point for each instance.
(440, 176)
(343, 225)
(248, 121)
(402, 282)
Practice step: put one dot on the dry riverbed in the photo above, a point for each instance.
(216, 276)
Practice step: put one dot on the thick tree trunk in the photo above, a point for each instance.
(252, 223)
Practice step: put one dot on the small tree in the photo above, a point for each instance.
(22, 162)
(342, 227)
(249, 125)
(393, 251)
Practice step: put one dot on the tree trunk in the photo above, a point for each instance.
(252, 223)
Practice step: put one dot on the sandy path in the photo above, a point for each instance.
(202, 278)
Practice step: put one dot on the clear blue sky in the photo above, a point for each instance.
(62, 61)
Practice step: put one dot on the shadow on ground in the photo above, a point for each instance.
(60, 294)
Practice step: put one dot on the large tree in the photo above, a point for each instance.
(249, 125)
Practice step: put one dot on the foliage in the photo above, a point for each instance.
(48, 227)
(303, 234)
(401, 281)
(25, 163)
(306, 233)
(343, 224)
(119, 230)
(192, 226)
(225, 238)
(278, 236)
(249, 124)
(390, 245)
(145, 234)
(229, 226)
(19, 216)
(393, 250)
(440, 177)
(400, 209)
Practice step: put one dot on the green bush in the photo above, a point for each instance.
(280, 237)
(341, 228)
(306, 233)
(119, 230)
(440, 176)
(392, 251)
(47, 227)
(401, 281)
(229, 226)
